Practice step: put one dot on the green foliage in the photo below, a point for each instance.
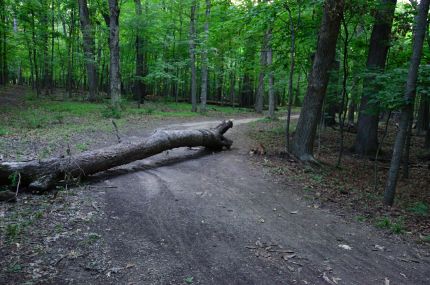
(419, 208)
(3, 131)
(396, 227)
(189, 280)
(13, 231)
(14, 178)
(111, 112)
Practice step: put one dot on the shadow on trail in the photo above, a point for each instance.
(173, 157)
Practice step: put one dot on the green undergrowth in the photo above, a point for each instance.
(55, 116)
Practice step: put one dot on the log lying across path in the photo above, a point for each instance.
(43, 175)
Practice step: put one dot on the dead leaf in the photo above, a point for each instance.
(345, 246)
(327, 279)
(288, 257)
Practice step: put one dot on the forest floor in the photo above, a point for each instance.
(191, 217)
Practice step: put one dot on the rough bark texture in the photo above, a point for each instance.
(193, 56)
(272, 99)
(89, 47)
(204, 91)
(259, 100)
(303, 142)
(139, 86)
(42, 175)
(115, 78)
(367, 127)
(407, 111)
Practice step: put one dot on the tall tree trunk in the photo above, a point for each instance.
(366, 141)
(303, 142)
(423, 115)
(407, 110)
(4, 71)
(272, 98)
(114, 69)
(291, 76)
(193, 56)
(51, 61)
(139, 86)
(204, 91)
(89, 49)
(34, 53)
(259, 101)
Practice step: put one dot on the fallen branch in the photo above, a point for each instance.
(43, 175)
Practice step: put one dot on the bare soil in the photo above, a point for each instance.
(191, 217)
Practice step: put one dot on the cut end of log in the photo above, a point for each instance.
(224, 127)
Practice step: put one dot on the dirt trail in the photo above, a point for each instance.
(189, 217)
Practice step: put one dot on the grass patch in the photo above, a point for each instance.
(419, 208)
(396, 227)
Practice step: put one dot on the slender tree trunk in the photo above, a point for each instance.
(407, 110)
(303, 142)
(114, 69)
(193, 56)
(366, 141)
(51, 61)
(423, 116)
(291, 77)
(139, 86)
(259, 102)
(344, 101)
(4, 74)
(34, 53)
(204, 91)
(272, 98)
(89, 49)
(351, 112)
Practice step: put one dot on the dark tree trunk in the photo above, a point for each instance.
(247, 94)
(42, 175)
(139, 85)
(407, 110)
(332, 96)
(193, 56)
(291, 75)
(303, 142)
(34, 53)
(89, 49)
(259, 100)
(367, 127)
(423, 116)
(114, 69)
(272, 98)
(204, 85)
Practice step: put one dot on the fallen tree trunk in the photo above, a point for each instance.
(43, 175)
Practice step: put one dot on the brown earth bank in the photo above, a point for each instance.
(191, 217)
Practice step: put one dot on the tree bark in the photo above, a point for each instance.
(43, 175)
(204, 91)
(139, 86)
(303, 142)
(272, 99)
(407, 110)
(115, 78)
(259, 101)
(89, 49)
(423, 115)
(193, 56)
(366, 141)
